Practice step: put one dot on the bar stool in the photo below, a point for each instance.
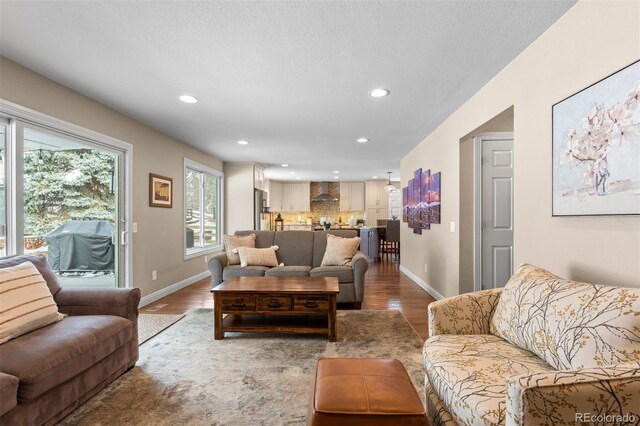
(391, 242)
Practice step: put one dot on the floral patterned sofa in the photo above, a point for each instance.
(543, 350)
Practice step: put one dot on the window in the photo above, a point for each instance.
(60, 184)
(202, 209)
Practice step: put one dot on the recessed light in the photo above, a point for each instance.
(243, 143)
(284, 165)
(379, 93)
(336, 177)
(374, 177)
(188, 99)
(292, 173)
(336, 171)
(297, 177)
(363, 140)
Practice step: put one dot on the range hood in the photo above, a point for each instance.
(324, 194)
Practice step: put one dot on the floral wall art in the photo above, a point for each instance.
(596, 148)
(421, 201)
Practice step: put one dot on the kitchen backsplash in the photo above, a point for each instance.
(322, 208)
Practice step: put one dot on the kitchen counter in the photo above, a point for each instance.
(317, 227)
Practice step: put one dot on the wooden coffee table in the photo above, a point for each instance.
(276, 305)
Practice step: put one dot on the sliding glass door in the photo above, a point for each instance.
(71, 207)
(67, 202)
(4, 127)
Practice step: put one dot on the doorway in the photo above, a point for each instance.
(65, 195)
(493, 210)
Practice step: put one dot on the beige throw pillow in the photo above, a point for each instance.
(26, 303)
(232, 242)
(340, 250)
(257, 257)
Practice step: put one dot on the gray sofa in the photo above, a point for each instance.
(47, 373)
(301, 252)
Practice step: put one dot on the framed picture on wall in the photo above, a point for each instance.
(160, 191)
(596, 148)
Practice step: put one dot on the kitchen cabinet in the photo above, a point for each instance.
(296, 197)
(275, 196)
(374, 213)
(352, 196)
(376, 195)
(258, 177)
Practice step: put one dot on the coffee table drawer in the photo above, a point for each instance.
(311, 303)
(274, 303)
(238, 302)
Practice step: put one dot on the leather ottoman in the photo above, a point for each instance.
(361, 391)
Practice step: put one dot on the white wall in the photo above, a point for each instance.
(238, 196)
(589, 42)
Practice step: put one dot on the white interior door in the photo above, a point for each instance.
(495, 263)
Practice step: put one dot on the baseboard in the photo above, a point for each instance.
(421, 283)
(172, 288)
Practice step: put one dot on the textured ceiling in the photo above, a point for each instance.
(290, 77)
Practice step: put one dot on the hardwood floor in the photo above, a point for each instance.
(385, 288)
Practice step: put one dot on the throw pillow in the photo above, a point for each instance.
(569, 324)
(250, 256)
(26, 303)
(340, 250)
(232, 242)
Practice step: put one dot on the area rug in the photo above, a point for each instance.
(184, 377)
(151, 324)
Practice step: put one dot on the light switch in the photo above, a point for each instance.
(135, 227)
(452, 227)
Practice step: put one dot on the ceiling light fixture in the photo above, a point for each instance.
(362, 140)
(389, 187)
(292, 172)
(284, 165)
(188, 99)
(243, 143)
(297, 177)
(336, 177)
(336, 171)
(374, 177)
(379, 92)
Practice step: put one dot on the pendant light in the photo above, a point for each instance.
(389, 187)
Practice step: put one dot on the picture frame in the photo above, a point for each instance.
(596, 146)
(160, 191)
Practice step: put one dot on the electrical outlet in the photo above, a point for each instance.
(206, 259)
(135, 227)
(154, 275)
(452, 227)
(425, 268)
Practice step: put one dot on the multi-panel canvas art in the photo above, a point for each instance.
(433, 197)
(596, 148)
(423, 206)
(421, 201)
(405, 199)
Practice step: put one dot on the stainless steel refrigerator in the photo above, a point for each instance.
(259, 203)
